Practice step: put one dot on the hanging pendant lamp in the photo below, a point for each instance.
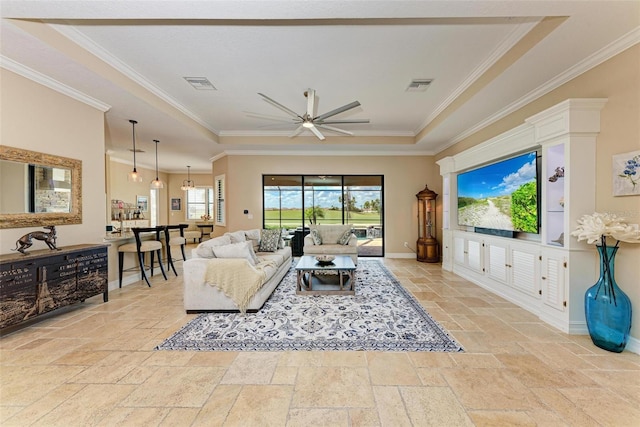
(156, 183)
(187, 184)
(134, 176)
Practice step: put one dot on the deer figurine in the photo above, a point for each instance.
(26, 241)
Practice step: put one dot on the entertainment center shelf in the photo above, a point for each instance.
(546, 273)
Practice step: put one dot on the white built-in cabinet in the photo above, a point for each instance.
(547, 273)
(468, 253)
(513, 264)
(553, 264)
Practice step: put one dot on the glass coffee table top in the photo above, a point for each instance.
(342, 262)
(337, 278)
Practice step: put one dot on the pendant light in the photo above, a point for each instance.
(187, 184)
(134, 176)
(156, 183)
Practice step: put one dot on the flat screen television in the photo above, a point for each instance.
(501, 196)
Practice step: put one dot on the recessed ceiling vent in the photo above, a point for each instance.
(200, 83)
(419, 85)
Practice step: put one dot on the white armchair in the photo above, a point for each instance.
(327, 241)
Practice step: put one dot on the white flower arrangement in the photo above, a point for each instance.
(595, 228)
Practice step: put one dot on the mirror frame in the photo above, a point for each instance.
(19, 220)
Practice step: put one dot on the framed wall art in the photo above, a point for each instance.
(143, 203)
(176, 204)
(626, 174)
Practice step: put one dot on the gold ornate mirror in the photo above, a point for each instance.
(38, 189)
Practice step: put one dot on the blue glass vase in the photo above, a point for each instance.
(607, 308)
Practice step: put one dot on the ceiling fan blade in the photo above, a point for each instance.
(317, 133)
(280, 106)
(297, 131)
(336, 122)
(339, 110)
(331, 128)
(269, 117)
(277, 126)
(311, 102)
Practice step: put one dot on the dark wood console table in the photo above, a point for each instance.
(45, 280)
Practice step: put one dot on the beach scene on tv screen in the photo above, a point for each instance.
(501, 196)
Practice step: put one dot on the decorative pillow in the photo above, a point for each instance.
(315, 235)
(252, 234)
(237, 236)
(331, 233)
(344, 239)
(234, 250)
(269, 240)
(204, 249)
(254, 237)
(254, 257)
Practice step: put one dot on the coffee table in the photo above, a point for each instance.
(337, 278)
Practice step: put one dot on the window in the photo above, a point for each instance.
(282, 201)
(199, 202)
(220, 217)
(296, 201)
(154, 207)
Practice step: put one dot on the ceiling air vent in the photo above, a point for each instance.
(419, 85)
(200, 83)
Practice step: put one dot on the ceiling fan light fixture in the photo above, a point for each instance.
(314, 123)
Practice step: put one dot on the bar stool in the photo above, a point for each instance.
(174, 240)
(141, 247)
(192, 234)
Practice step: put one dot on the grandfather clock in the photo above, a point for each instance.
(427, 245)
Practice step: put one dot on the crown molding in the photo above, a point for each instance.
(95, 49)
(218, 157)
(257, 133)
(37, 77)
(620, 45)
(310, 153)
(512, 38)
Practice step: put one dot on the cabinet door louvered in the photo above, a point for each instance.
(458, 250)
(524, 271)
(497, 265)
(474, 255)
(553, 282)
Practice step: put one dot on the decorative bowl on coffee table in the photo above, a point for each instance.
(325, 259)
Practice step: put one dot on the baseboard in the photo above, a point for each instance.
(633, 345)
(127, 280)
(578, 328)
(399, 255)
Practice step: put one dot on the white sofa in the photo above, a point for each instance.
(201, 296)
(330, 235)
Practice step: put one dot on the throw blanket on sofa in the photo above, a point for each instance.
(237, 279)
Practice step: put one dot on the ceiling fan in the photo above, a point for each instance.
(311, 122)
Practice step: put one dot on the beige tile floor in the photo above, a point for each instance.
(95, 365)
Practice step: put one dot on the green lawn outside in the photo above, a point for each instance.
(291, 218)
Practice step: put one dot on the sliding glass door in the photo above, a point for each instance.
(282, 201)
(364, 209)
(294, 202)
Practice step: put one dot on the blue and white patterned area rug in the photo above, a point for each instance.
(382, 316)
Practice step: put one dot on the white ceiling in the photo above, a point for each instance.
(486, 59)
